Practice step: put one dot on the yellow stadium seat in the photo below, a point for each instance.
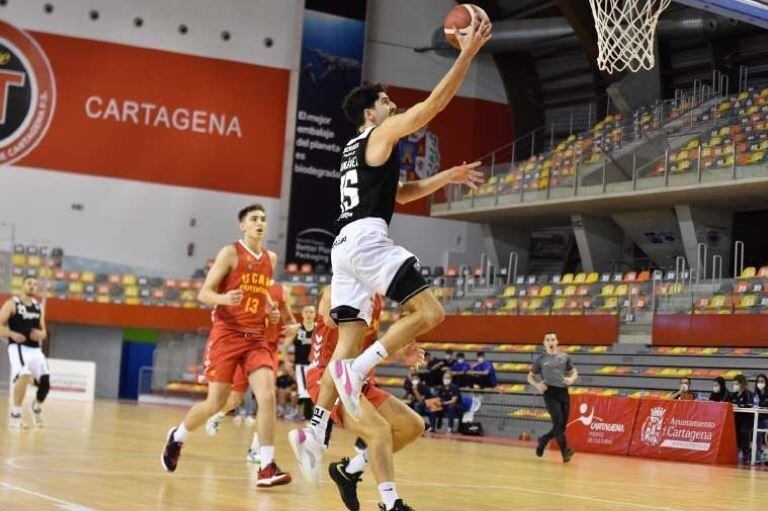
(592, 278)
(510, 304)
(132, 300)
(88, 276)
(559, 304)
(131, 291)
(748, 272)
(611, 303)
(621, 290)
(129, 280)
(19, 260)
(569, 291)
(567, 278)
(580, 278)
(34, 261)
(546, 291)
(607, 290)
(509, 291)
(103, 299)
(76, 288)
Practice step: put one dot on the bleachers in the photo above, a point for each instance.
(634, 371)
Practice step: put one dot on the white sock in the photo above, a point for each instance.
(267, 454)
(16, 410)
(318, 424)
(255, 442)
(388, 494)
(370, 358)
(219, 415)
(181, 433)
(358, 463)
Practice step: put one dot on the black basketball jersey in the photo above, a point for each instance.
(302, 345)
(367, 192)
(24, 319)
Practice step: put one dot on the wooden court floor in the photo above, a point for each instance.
(105, 456)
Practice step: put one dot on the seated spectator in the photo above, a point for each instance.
(483, 373)
(459, 370)
(434, 370)
(684, 392)
(448, 406)
(416, 391)
(719, 392)
(741, 397)
(760, 399)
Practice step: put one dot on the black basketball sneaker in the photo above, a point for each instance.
(346, 483)
(171, 452)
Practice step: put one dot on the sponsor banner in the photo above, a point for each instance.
(601, 424)
(693, 431)
(333, 41)
(119, 111)
(71, 380)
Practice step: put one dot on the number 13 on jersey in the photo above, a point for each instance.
(350, 197)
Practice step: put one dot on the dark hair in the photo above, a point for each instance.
(686, 379)
(253, 207)
(764, 377)
(359, 99)
(742, 381)
(449, 350)
(720, 381)
(480, 353)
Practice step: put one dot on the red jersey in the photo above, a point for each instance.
(252, 276)
(324, 339)
(277, 294)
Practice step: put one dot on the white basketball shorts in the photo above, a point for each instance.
(365, 261)
(26, 360)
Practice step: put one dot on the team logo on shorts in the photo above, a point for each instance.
(27, 93)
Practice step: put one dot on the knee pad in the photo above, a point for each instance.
(407, 282)
(43, 387)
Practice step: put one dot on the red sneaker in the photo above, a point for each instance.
(271, 475)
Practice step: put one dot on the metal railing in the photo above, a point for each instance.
(607, 162)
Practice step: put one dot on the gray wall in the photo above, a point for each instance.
(98, 344)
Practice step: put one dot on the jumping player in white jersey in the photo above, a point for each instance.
(365, 261)
(22, 321)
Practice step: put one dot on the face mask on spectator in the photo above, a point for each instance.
(716, 388)
(761, 385)
(684, 386)
(447, 382)
(481, 359)
(415, 381)
(736, 387)
(460, 360)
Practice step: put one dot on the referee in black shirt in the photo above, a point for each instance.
(552, 373)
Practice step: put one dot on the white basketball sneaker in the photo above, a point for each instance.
(212, 425)
(348, 384)
(37, 414)
(308, 451)
(16, 421)
(252, 456)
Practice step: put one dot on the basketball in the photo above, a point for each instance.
(460, 17)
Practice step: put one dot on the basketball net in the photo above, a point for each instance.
(626, 33)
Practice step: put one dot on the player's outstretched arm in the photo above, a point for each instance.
(226, 259)
(397, 126)
(464, 174)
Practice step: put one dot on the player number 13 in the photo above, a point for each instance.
(349, 195)
(252, 305)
